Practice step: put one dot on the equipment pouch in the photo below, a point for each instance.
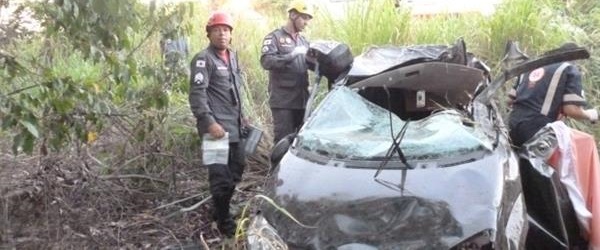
(251, 136)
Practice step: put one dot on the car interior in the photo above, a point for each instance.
(413, 92)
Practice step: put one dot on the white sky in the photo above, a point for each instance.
(336, 7)
(428, 7)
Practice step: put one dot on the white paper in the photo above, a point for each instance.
(215, 151)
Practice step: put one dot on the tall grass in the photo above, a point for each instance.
(444, 29)
(537, 26)
(585, 15)
(365, 23)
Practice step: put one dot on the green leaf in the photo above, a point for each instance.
(8, 121)
(62, 106)
(17, 141)
(32, 129)
(140, 134)
(28, 143)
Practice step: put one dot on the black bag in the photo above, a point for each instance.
(251, 136)
(333, 57)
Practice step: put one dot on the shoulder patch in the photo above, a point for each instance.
(198, 78)
(265, 49)
(268, 41)
(536, 75)
(200, 63)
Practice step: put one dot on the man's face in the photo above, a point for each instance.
(301, 20)
(220, 36)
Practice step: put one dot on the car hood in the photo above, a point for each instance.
(436, 208)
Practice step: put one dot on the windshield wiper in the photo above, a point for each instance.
(395, 147)
(398, 139)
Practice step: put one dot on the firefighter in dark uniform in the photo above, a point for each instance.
(543, 96)
(284, 56)
(215, 82)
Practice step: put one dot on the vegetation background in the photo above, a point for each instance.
(98, 146)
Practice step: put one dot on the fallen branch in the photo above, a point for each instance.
(187, 209)
(99, 162)
(132, 176)
(204, 244)
(178, 201)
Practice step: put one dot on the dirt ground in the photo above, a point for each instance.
(65, 201)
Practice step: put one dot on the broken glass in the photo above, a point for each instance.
(348, 126)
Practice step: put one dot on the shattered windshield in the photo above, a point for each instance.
(347, 126)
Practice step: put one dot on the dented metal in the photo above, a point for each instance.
(352, 179)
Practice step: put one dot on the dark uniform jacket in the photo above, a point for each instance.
(215, 92)
(288, 76)
(540, 94)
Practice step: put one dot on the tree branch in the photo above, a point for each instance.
(132, 176)
(24, 89)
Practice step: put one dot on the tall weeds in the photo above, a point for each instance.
(537, 25)
(365, 23)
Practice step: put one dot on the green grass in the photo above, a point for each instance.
(537, 25)
(365, 23)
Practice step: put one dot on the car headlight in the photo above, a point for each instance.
(542, 144)
(481, 240)
(262, 236)
(539, 149)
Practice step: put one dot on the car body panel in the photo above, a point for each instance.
(438, 208)
(344, 184)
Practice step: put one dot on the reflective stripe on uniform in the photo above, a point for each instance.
(552, 88)
(573, 98)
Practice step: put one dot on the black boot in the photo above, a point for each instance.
(227, 227)
(221, 215)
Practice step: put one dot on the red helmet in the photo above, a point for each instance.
(219, 18)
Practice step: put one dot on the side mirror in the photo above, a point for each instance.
(280, 148)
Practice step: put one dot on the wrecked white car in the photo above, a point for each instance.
(406, 151)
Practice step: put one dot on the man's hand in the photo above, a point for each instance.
(300, 50)
(245, 121)
(216, 131)
(592, 114)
